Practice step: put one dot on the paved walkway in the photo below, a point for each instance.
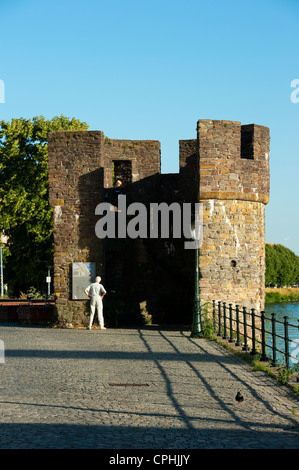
(141, 388)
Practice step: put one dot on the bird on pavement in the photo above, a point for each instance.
(239, 398)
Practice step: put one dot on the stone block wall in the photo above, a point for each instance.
(75, 188)
(81, 174)
(234, 188)
(189, 170)
(232, 255)
(224, 171)
(144, 155)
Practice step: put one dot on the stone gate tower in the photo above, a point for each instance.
(234, 188)
(226, 167)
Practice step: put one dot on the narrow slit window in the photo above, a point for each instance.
(247, 139)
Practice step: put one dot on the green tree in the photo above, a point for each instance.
(282, 266)
(25, 214)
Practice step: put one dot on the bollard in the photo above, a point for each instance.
(238, 343)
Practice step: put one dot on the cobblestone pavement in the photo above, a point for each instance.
(134, 388)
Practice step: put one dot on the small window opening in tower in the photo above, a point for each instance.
(122, 171)
(233, 263)
(247, 139)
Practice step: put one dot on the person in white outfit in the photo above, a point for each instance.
(96, 292)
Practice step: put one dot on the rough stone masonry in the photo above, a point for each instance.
(226, 168)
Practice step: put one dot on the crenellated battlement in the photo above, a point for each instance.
(233, 161)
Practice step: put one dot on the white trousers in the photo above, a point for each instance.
(96, 304)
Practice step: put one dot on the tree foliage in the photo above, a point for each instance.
(282, 266)
(25, 214)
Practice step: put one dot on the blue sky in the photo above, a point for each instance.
(151, 69)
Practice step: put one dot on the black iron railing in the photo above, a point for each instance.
(257, 333)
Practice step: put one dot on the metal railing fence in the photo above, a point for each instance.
(257, 333)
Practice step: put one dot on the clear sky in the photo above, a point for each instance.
(150, 69)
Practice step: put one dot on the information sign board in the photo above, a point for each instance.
(83, 274)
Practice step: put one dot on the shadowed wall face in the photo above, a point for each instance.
(140, 275)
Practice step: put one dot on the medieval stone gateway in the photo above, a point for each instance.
(226, 168)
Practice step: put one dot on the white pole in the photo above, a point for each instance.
(1, 271)
(49, 282)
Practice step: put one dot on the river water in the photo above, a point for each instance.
(281, 310)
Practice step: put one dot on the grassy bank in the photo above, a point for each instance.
(281, 294)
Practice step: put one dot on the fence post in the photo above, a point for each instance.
(224, 321)
(238, 327)
(214, 316)
(286, 341)
(245, 347)
(219, 318)
(274, 364)
(231, 323)
(264, 357)
(253, 331)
